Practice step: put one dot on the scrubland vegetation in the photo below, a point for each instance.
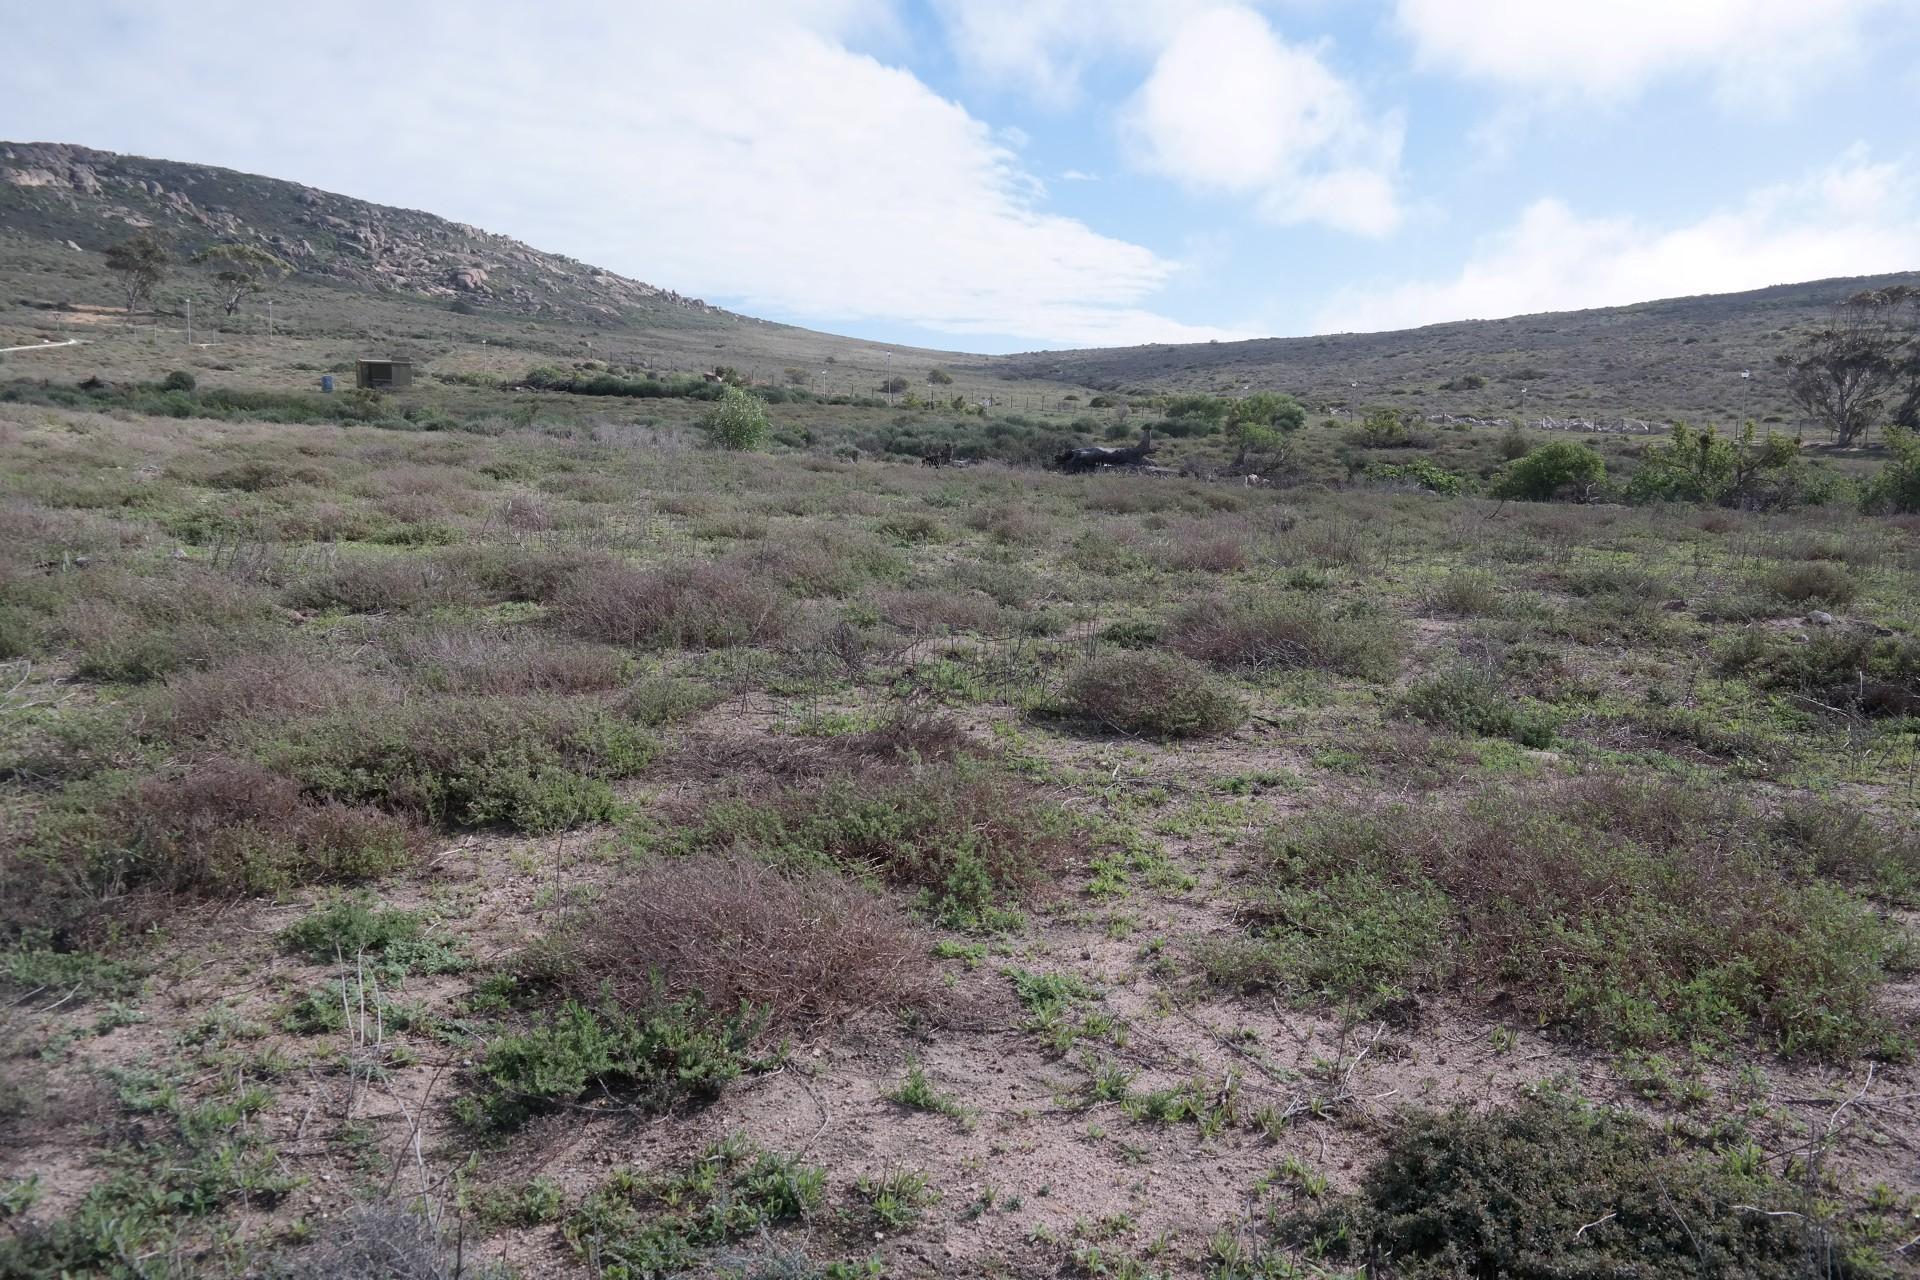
(661, 834)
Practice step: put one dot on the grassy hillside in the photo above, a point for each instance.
(1674, 359)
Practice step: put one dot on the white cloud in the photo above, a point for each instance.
(1044, 47)
(1231, 107)
(738, 151)
(1755, 51)
(1857, 217)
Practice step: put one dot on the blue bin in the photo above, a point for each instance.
(326, 383)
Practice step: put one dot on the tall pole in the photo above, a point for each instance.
(1746, 396)
(189, 319)
(889, 378)
(269, 319)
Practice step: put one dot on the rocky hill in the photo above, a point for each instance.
(94, 198)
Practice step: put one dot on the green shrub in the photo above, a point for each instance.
(179, 380)
(1468, 700)
(1896, 488)
(1384, 429)
(348, 928)
(1848, 668)
(1420, 473)
(1551, 1188)
(527, 764)
(1810, 582)
(1158, 695)
(1336, 921)
(738, 421)
(1467, 593)
(193, 1160)
(1559, 469)
(649, 1227)
(674, 1052)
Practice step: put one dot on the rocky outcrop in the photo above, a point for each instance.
(94, 197)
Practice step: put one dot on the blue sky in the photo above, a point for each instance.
(1000, 175)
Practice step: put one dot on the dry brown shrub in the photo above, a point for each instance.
(1159, 695)
(758, 762)
(510, 571)
(808, 946)
(1010, 524)
(492, 661)
(823, 561)
(224, 826)
(368, 584)
(527, 513)
(258, 686)
(956, 610)
(687, 606)
(1260, 633)
(1204, 552)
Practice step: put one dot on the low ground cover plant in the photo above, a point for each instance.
(1658, 915)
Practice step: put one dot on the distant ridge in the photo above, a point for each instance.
(1675, 357)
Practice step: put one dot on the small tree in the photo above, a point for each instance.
(1261, 421)
(1559, 469)
(1699, 466)
(1841, 373)
(738, 421)
(795, 376)
(242, 270)
(894, 386)
(141, 263)
(939, 377)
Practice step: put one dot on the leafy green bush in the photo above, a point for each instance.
(652, 386)
(1747, 471)
(179, 380)
(1419, 472)
(528, 764)
(1384, 429)
(1559, 469)
(677, 1051)
(1896, 488)
(738, 421)
(1468, 700)
(348, 928)
(1159, 695)
(1550, 1188)
(648, 1227)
